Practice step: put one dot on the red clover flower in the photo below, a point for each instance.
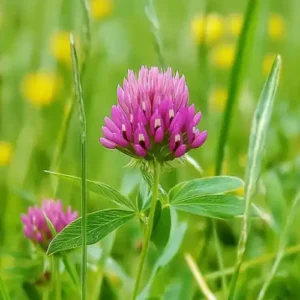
(152, 118)
(36, 228)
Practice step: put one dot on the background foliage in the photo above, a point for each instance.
(36, 85)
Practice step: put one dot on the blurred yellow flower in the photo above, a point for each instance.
(60, 46)
(217, 99)
(267, 63)
(212, 168)
(209, 28)
(101, 8)
(235, 23)
(223, 55)
(240, 192)
(40, 88)
(114, 278)
(243, 160)
(276, 27)
(5, 153)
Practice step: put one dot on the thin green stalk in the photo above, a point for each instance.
(155, 28)
(71, 270)
(220, 258)
(199, 277)
(236, 79)
(45, 294)
(251, 263)
(148, 227)
(82, 121)
(56, 278)
(257, 140)
(282, 245)
(63, 132)
(3, 292)
(86, 31)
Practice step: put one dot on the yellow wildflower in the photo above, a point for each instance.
(276, 27)
(217, 99)
(40, 88)
(240, 191)
(114, 278)
(101, 8)
(243, 160)
(60, 46)
(209, 28)
(223, 55)
(267, 63)
(235, 23)
(5, 153)
(212, 168)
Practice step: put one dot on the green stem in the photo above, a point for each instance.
(148, 228)
(84, 223)
(282, 244)
(220, 258)
(82, 121)
(70, 267)
(3, 292)
(45, 294)
(56, 282)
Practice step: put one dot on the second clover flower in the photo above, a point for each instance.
(152, 118)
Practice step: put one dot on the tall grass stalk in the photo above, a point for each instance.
(282, 245)
(252, 263)
(259, 129)
(56, 278)
(149, 227)
(155, 28)
(86, 32)
(82, 121)
(245, 42)
(199, 277)
(220, 257)
(235, 84)
(65, 125)
(3, 292)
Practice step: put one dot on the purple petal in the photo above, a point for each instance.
(111, 125)
(108, 144)
(116, 115)
(140, 151)
(197, 118)
(155, 122)
(199, 139)
(108, 134)
(159, 135)
(180, 151)
(175, 139)
(120, 140)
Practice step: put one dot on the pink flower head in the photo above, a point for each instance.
(152, 117)
(36, 228)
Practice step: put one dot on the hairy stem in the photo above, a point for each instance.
(82, 121)
(149, 227)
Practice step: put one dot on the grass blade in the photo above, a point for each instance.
(199, 277)
(282, 245)
(258, 134)
(82, 121)
(237, 75)
(155, 28)
(3, 292)
(235, 83)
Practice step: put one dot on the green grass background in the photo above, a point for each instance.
(124, 41)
